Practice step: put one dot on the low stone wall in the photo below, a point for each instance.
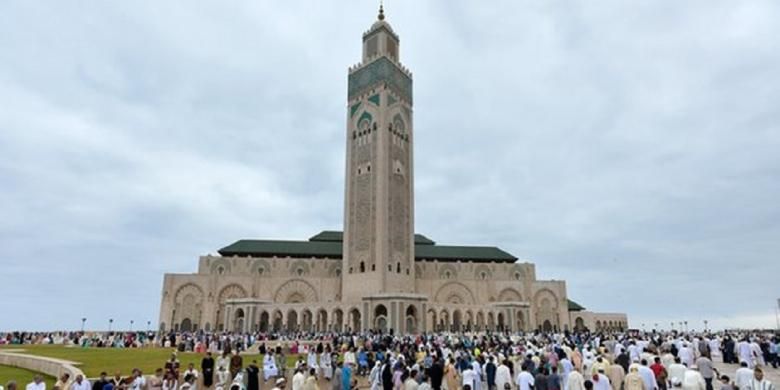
(45, 365)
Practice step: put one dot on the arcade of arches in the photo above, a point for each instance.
(379, 273)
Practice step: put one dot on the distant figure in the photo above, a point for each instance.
(253, 376)
(80, 383)
(338, 377)
(172, 366)
(758, 382)
(207, 367)
(346, 376)
(525, 381)
(634, 381)
(298, 379)
(36, 384)
(311, 381)
(743, 375)
(103, 381)
(575, 381)
(706, 369)
(236, 364)
(693, 380)
(269, 366)
(63, 383)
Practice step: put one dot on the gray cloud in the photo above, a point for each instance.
(628, 148)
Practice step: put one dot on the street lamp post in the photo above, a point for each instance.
(131, 325)
(705, 325)
(671, 326)
(148, 326)
(686, 326)
(83, 321)
(110, 321)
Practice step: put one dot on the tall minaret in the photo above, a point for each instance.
(379, 201)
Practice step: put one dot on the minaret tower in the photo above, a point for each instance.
(379, 201)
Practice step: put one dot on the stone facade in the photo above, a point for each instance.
(378, 274)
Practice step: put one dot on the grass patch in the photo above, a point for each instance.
(111, 360)
(22, 377)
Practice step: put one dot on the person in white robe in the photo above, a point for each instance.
(745, 353)
(224, 362)
(503, 375)
(648, 376)
(375, 376)
(587, 360)
(469, 377)
(601, 382)
(676, 370)
(743, 375)
(477, 374)
(298, 379)
(686, 355)
(575, 381)
(758, 355)
(269, 367)
(326, 364)
(692, 380)
(311, 361)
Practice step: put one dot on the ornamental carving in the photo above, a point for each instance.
(454, 292)
(296, 291)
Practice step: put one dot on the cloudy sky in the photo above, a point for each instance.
(629, 148)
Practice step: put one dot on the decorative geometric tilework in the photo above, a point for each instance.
(374, 99)
(382, 70)
(353, 110)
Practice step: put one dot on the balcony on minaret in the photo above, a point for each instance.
(380, 40)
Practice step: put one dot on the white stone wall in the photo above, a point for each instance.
(598, 321)
(291, 291)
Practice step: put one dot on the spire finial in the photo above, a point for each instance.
(381, 11)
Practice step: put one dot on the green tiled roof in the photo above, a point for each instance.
(574, 306)
(330, 249)
(472, 253)
(328, 244)
(335, 235)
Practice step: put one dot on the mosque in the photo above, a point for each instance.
(377, 273)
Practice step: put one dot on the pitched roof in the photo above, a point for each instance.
(335, 235)
(574, 306)
(328, 244)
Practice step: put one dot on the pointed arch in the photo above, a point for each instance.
(296, 291)
(509, 295)
(456, 293)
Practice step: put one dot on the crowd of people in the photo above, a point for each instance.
(450, 361)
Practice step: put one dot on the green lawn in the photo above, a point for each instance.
(111, 360)
(21, 376)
